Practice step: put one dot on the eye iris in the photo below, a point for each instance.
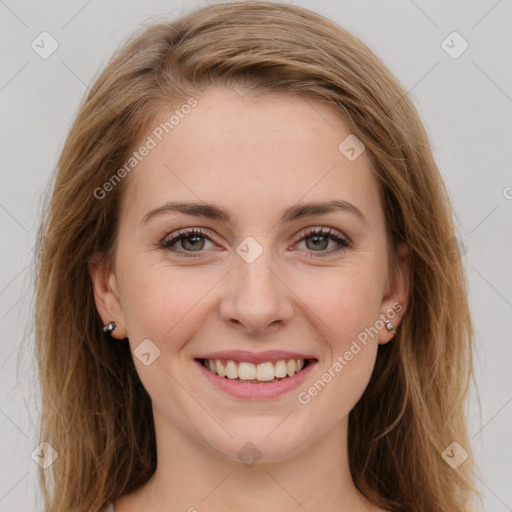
(316, 242)
(194, 246)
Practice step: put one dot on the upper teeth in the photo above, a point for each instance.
(248, 371)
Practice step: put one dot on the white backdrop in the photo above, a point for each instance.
(464, 97)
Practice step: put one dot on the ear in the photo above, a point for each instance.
(106, 295)
(396, 296)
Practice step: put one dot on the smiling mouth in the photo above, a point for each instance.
(261, 373)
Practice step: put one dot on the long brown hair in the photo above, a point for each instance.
(96, 413)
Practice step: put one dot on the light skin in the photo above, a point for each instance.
(253, 156)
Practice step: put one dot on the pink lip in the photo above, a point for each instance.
(256, 391)
(254, 357)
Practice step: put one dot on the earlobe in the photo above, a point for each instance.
(394, 303)
(106, 295)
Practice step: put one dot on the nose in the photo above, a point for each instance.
(256, 298)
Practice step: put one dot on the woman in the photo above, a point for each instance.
(247, 293)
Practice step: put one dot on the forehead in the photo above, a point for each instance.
(238, 150)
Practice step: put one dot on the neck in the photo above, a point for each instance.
(193, 477)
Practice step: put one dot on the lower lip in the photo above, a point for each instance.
(256, 391)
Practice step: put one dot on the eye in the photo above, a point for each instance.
(194, 240)
(320, 238)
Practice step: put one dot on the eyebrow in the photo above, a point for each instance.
(295, 212)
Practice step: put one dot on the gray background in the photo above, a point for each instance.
(466, 105)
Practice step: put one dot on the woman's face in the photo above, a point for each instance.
(256, 280)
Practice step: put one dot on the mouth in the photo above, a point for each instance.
(245, 372)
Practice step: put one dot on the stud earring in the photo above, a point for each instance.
(109, 327)
(389, 325)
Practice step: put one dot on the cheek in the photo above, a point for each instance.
(344, 301)
(346, 308)
(160, 302)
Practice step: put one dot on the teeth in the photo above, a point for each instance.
(246, 371)
(291, 366)
(281, 369)
(221, 372)
(263, 372)
(231, 370)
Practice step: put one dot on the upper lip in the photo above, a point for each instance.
(255, 357)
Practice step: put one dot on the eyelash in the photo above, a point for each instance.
(189, 233)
